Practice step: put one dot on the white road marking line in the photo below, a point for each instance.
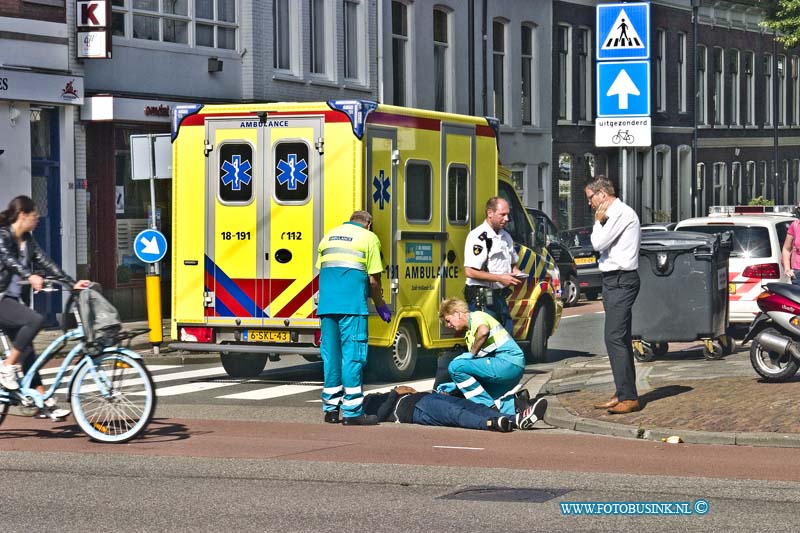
(187, 388)
(271, 392)
(200, 373)
(458, 448)
(47, 371)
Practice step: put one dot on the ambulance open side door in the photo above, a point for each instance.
(458, 197)
(381, 191)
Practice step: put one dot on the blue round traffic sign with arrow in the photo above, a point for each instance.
(150, 246)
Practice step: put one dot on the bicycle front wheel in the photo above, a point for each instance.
(113, 399)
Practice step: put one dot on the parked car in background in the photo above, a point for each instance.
(570, 291)
(578, 241)
(756, 255)
(658, 226)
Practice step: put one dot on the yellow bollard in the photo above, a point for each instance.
(153, 286)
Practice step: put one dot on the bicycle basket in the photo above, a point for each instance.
(99, 317)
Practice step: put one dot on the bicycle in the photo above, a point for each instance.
(111, 392)
(622, 135)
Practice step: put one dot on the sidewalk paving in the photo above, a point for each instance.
(684, 395)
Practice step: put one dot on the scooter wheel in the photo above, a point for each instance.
(772, 366)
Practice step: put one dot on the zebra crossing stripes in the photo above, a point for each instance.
(276, 391)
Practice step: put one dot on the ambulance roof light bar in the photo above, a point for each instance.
(750, 210)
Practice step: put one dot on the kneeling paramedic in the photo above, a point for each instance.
(490, 371)
(349, 263)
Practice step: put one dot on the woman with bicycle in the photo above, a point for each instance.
(20, 257)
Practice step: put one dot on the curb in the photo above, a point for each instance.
(557, 415)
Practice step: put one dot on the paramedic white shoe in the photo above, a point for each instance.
(8, 376)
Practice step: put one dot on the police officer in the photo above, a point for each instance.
(349, 263)
(490, 263)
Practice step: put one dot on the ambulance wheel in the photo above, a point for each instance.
(538, 337)
(239, 365)
(397, 362)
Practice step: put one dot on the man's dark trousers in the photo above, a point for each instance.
(619, 293)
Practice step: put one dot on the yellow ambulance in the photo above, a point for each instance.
(255, 187)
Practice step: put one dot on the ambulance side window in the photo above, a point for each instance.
(518, 225)
(291, 172)
(457, 194)
(235, 173)
(418, 192)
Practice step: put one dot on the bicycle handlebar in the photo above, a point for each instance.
(52, 285)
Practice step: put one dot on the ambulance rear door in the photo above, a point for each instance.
(263, 180)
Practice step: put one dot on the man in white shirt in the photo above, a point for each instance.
(617, 235)
(490, 264)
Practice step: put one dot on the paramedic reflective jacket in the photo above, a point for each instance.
(498, 344)
(346, 256)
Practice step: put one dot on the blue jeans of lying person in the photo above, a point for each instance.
(442, 410)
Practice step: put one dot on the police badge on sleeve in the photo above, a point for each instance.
(477, 249)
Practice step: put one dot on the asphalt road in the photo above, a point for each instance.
(252, 455)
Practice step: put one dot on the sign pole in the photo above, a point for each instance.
(153, 279)
(624, 184)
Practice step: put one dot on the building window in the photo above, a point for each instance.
(719, 170)
(282, 35)
(354, 30)
(528, 107)
(682, 72)
(418, 192)
(795, 90)
(662, 208)
(763, 179)
(781, 90)
(584, 74)
(564, 191)
(702, 85)
(399, 52)
(719, 86)
(768, 104)
(442, 63)
(457, 194)
(498, 68)
(749, 89)
(518, 179)
(319, 40)
(752, 181)
(660, 69)
(736, 104)
(170, 22)
(564, 73)
(735, 185)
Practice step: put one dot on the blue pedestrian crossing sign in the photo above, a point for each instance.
(150, 246)
(623, 89)
(623, 31)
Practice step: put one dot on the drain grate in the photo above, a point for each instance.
(505, 494)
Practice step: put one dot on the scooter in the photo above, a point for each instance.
(775, 332)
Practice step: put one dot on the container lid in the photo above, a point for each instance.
(684, 241)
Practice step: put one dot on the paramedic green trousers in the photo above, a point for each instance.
(344, 354)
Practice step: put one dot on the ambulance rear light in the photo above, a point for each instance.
(763, 271)
(317, 337)
(199, 334)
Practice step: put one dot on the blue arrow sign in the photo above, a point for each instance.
(623, 89)
(623, 31)
(150, 246)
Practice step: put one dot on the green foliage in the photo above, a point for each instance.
(783, 16)
(760, 200)
(662, 216)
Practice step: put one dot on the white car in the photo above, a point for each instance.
(756, 255)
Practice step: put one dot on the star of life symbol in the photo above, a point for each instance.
(622, 34)
(292, 172)
(236, 172)
(381, 184)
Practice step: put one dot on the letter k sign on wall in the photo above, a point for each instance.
(92, 14)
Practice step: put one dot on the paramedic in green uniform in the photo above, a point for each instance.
(489, 372)
(350, 266)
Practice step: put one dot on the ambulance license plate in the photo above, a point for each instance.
(585, 260)
(266, 335)
(731, 288)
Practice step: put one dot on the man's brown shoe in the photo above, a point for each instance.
(625, 406)
(607, 405)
